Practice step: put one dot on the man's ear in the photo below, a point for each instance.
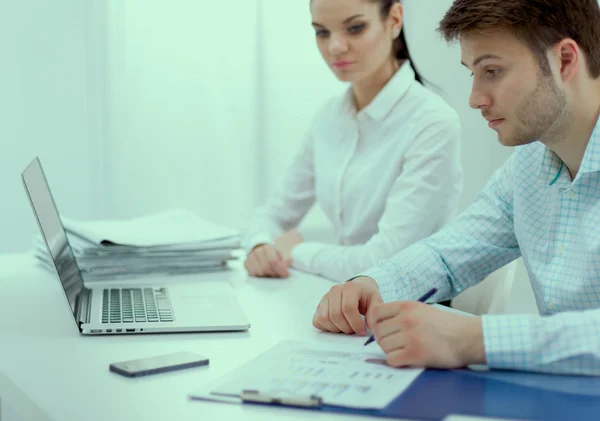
(568, 55)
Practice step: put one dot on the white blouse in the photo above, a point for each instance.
(385, 177)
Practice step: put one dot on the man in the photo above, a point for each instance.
(536, 79)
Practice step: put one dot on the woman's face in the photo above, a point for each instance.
(353, 39)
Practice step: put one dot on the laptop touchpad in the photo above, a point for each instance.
(203, 307)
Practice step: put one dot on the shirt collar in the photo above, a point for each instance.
(552, 165)
(389, 96)
(591, 157)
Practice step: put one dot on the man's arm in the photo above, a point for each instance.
(418, 335)
(480, 241)
(566, 343)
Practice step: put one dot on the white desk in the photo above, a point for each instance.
(67, 375)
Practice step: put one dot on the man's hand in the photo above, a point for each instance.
(285, 243)
(340, 309)
(414, 334)
(265, 261)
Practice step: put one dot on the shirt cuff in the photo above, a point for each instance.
(251, 242)
(303, 255)
(387, 280)
(508, 341)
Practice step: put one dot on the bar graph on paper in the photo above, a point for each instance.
(339, 377)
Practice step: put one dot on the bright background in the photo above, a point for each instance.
(136, 106)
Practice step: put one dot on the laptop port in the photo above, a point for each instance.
(118, 330)
(130, 330)
(108, 330)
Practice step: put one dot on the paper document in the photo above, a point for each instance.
(341, 375)
(174, 226)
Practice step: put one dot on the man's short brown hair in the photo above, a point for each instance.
(539, 24)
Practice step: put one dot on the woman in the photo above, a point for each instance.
(382, 161)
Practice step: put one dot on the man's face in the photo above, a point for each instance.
(520, 103)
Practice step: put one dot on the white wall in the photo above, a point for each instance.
(297, 82)
(182, 95)
(44, 102)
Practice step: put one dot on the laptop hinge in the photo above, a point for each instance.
(84, 307)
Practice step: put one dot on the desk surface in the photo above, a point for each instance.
(67, 375)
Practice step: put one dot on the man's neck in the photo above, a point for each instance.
(365, 91)
(571, 145)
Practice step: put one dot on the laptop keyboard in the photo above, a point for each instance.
(139, 305)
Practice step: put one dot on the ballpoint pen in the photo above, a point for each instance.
(424, 298)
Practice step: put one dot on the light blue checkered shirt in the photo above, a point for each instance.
(529, 208)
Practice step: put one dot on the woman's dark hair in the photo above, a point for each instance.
(400, 45)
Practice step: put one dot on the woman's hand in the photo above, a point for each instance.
(266, 261)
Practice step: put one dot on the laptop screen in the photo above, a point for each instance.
(53, 232)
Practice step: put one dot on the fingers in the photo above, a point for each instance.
(252, 265)
(265, 266)
(280, 268)
(350, 311)
(275, 262)
(380, 312)
(257, 265)
(393, 342)
(321, 318)
(335, 311)
(412, 354)
(403, 357)
(387, 328)
(266, 261)
(338, 310)
(394, 330)
(372, 301)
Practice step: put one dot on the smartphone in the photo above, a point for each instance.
(158, 364)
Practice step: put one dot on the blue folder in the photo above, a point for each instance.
(436, 394)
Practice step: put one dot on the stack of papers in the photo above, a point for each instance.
(170, 242)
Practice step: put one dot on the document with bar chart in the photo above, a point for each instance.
(341, 375)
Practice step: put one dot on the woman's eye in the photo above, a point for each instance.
(355, 29)
(321, 33)
(490, 72)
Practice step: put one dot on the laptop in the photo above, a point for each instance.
(119, 307)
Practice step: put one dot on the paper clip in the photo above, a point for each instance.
(254, 396)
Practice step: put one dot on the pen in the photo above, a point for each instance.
(424, 298)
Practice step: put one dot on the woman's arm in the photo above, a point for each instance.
(286, 208)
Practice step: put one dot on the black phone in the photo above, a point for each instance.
(158, 364)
